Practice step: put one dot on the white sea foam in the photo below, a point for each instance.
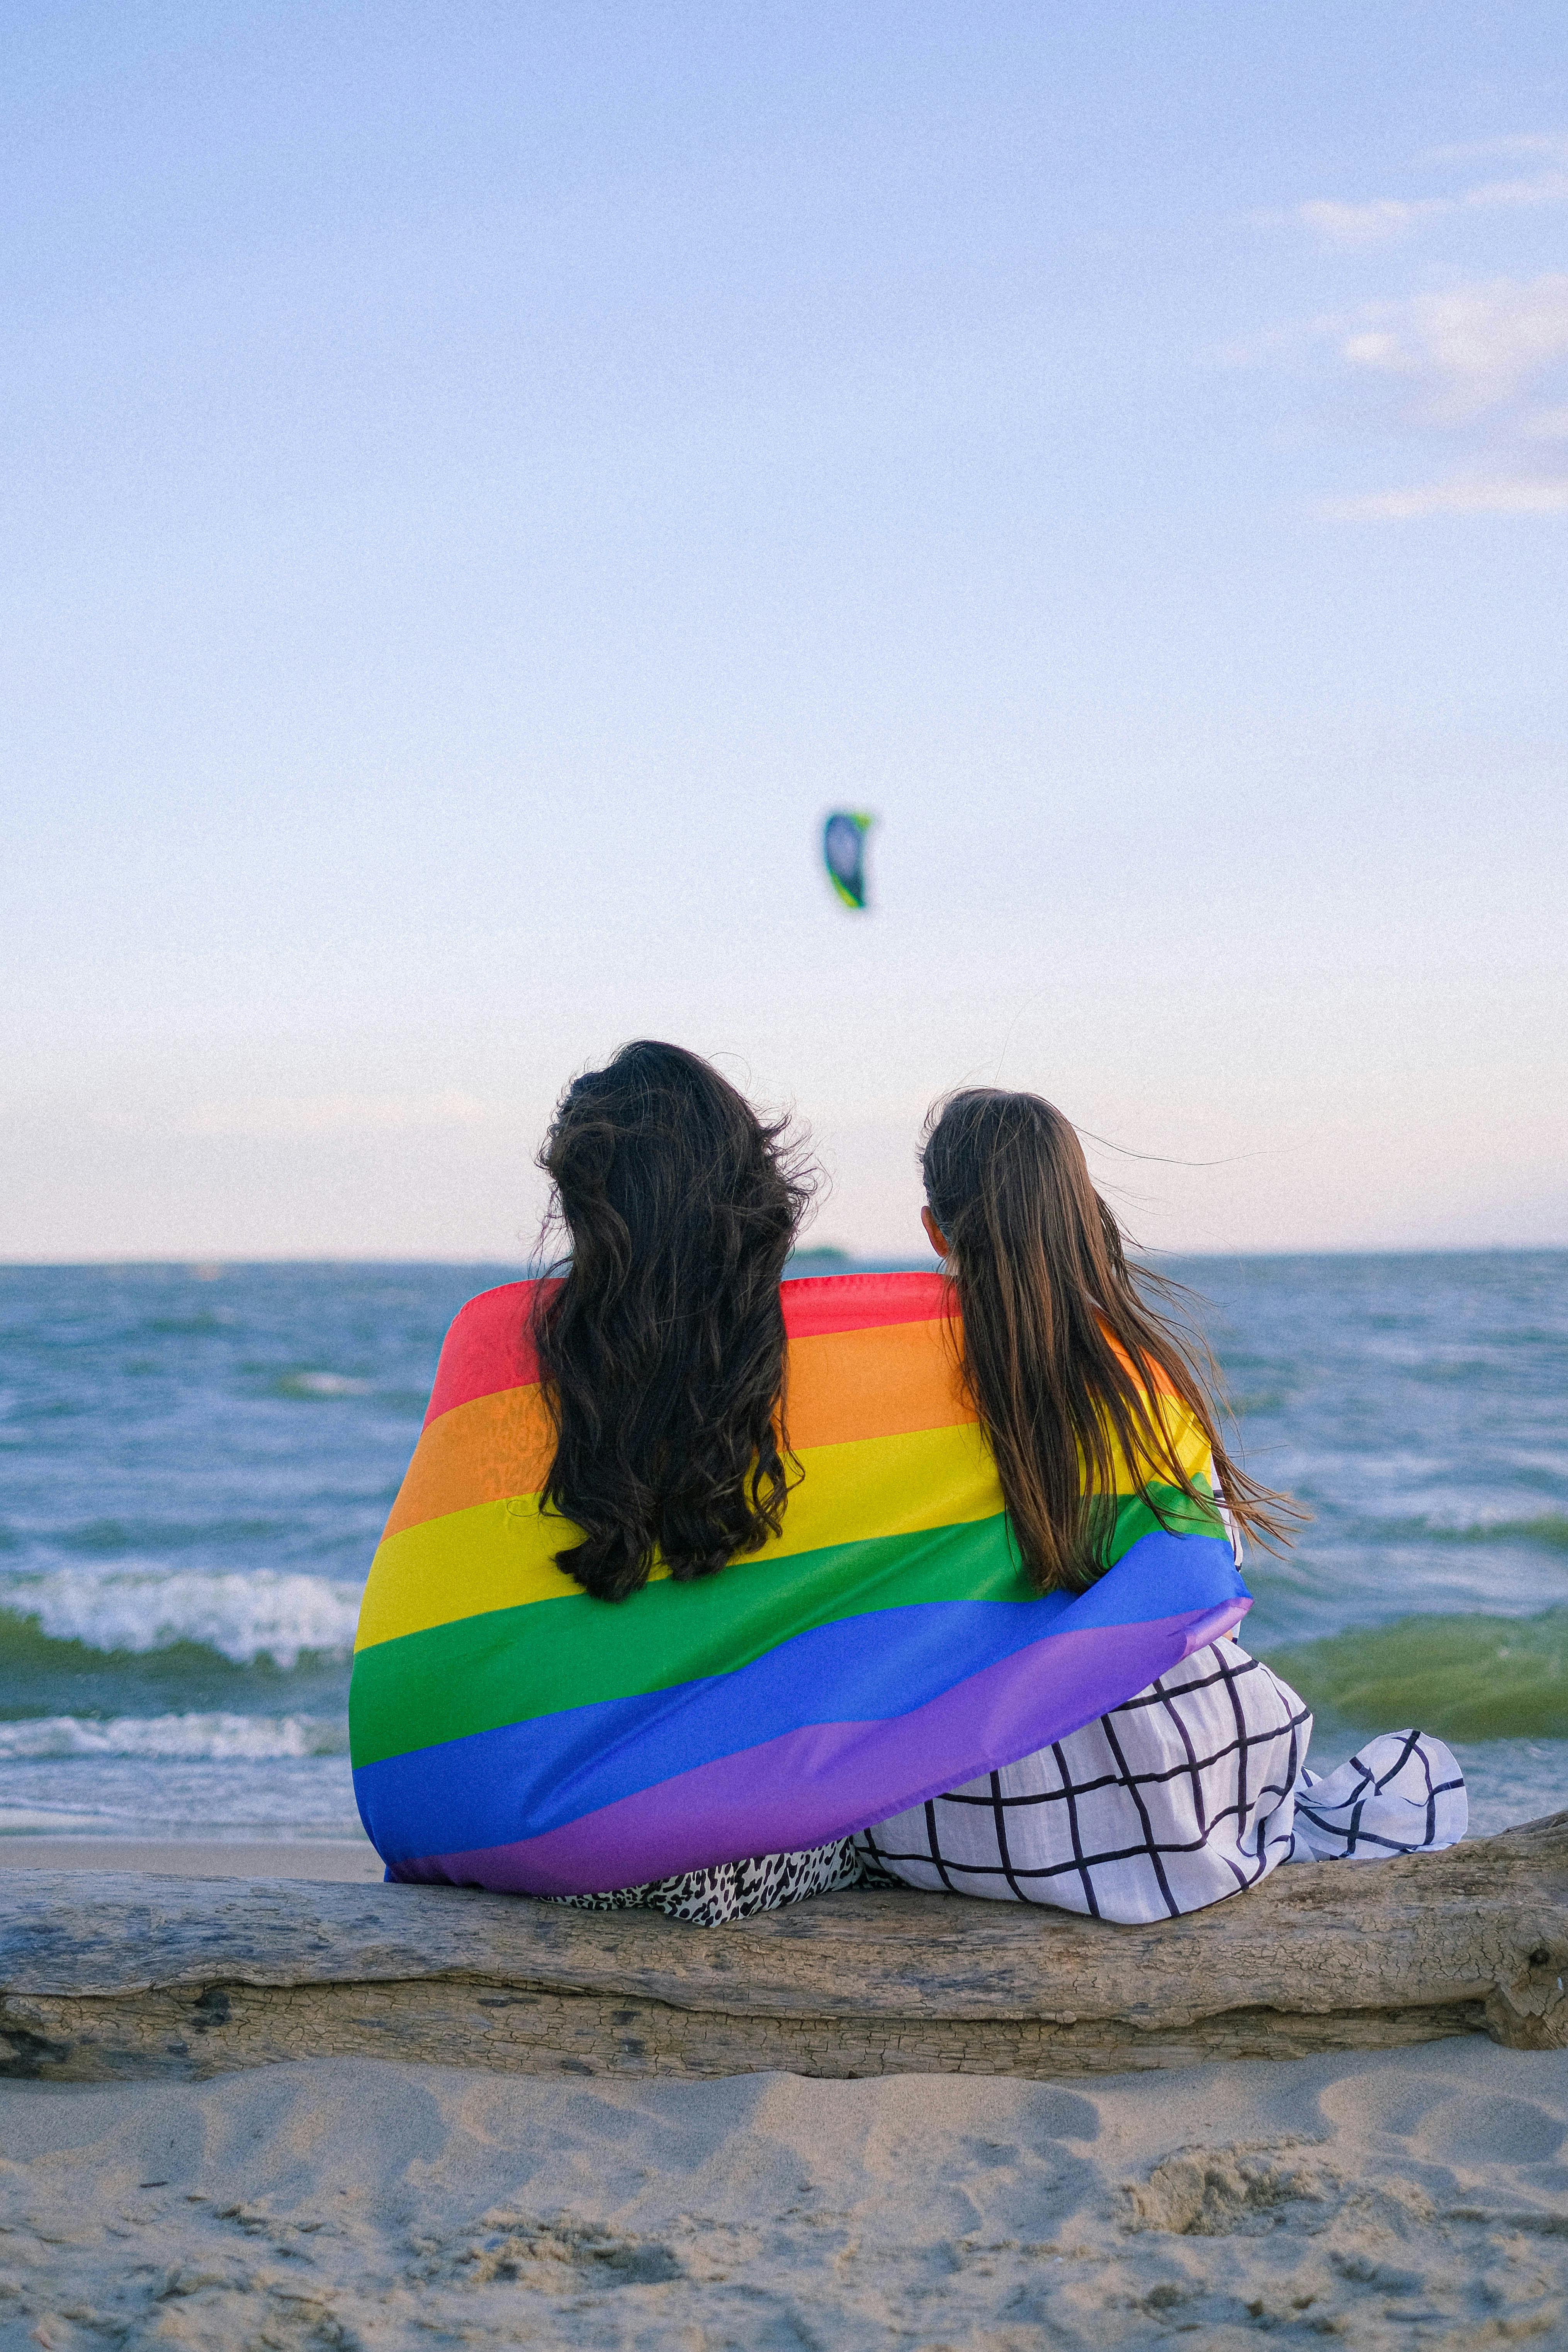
(268, 1613)
(174, 1738)
(21, 1818)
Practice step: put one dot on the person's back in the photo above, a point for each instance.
(1095, 1404)
(635, 1412)
(662, 1349)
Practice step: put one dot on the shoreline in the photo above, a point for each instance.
(340, 1860)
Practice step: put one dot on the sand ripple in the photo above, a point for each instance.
(1415, 2199)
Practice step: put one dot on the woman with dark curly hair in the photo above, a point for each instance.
(662, 1346)
(662, 1352)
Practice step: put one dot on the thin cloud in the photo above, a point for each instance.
(1381, 219)
(1468, 350)
(1543, 495)
(1483, 366)
(1370, 224)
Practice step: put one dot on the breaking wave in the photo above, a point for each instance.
(1462, 1677)
(273, 1615)
(1548, 1528)
(174, 1738)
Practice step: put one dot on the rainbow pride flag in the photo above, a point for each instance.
(510, 1731)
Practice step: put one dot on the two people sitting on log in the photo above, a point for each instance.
(708, 1590)
(663, 1356)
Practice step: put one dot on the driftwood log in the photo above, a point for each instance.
(107, 1975)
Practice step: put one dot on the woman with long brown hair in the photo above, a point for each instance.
(1091, 1394)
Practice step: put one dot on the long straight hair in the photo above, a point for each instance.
(662, 1349)
(1064, 1352)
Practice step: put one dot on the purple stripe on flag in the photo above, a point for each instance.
(825, 1781)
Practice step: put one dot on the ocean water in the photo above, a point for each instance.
(195, 1464)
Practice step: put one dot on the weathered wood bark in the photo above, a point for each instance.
(105, 1975)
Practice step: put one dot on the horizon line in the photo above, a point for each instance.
(875, 1261)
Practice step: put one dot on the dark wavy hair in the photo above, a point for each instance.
(1065, 1344)
(662, 1349)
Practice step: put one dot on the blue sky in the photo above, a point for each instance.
(482, 481)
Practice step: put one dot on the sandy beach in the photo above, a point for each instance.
(1402, 2197)
(342, 1859)
(1414, 2198)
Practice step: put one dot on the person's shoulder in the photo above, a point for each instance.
(1163, 1384)
(816, 1305)
(489, 1346)
(508, 1303)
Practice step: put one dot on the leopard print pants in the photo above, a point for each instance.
(734, 1890)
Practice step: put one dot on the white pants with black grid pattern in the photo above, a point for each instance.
(1190, 1792)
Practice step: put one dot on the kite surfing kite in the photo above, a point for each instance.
(844, 855)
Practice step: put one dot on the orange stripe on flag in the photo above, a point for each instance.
(891, 1380)
(883, 1382)
(496, 1445)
